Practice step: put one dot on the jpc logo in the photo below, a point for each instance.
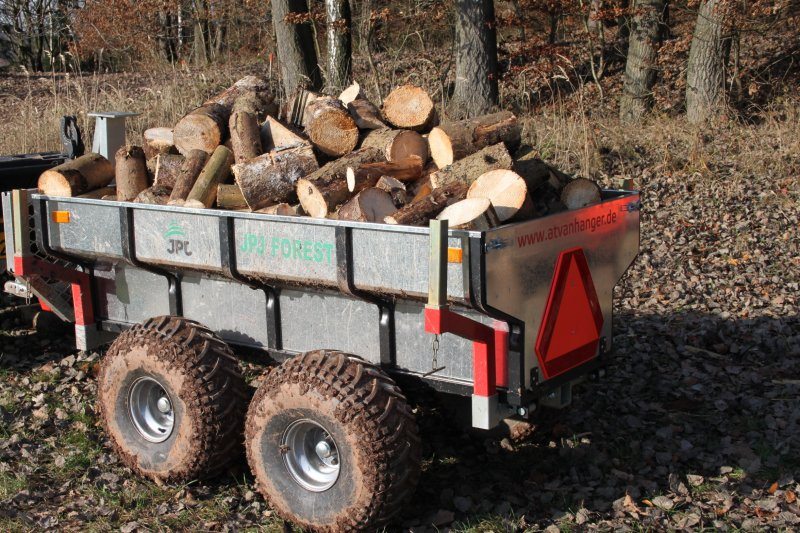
(177, 240)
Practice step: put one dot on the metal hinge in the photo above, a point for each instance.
(633, 206)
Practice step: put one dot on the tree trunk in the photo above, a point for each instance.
(295, 44)
(422, 209)
(368, 174)
(276, 136)
(77, 176)
(216, 171)
(190, 170)
(579, 193)
(454, 140)
(398, 144)
(230, 197)
(245, 136)
(131, 172)
(158, 141)
(476, 59)
(467, 170)
(205, 128)
(641, 65)
(366, 114)
(272, 178)
(339, 43)
(157, 195)
(165, 169)
(705, 73)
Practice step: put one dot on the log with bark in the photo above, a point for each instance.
(330, 128)
(470, 214)
(370, 205)
(294, 111)
(321, 192)
(190, 170)
(579, 193)
(452, 141)
(245, 135)
(77, 176)
(204, 128)
(101, 193)
(249, 84)
(216, 171)
(230, 197)
(366, 114)
(165, 169)
(157, 195)
(507, 191)
(276, 136)
(158, 141)
(368, 174)
(409, 107)
(395, 188)
(273, 177)
(468, 169)
(428, 206)
(398, 144)
(282, 209)
(130, 172)
(261, 105)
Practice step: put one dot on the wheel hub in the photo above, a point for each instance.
(150, 409)
(311, 455)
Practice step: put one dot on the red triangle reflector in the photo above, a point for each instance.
(570, 331)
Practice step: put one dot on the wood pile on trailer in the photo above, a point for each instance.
(331, 157)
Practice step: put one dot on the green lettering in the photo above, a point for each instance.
(262, 242)
(318, 252)
(308, 248)
(296, 249)
(328, 252)
(286, 248)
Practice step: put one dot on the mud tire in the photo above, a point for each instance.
(209, 399)
(373, 428)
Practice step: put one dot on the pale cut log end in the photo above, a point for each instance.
(197, 131)
(441, 147)
(53, 183)
(351, 93)
(505, 189)
(330, 128)
(194, 204)
(158, 141)
(579, 193)
(408, 106)
(470, 214)
(311, 199)
(408, 143)
(282, 209)
(351, 179)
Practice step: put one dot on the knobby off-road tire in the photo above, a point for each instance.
(207, 399)
(371, 429)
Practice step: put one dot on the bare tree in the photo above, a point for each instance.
(295, 44)
(708, 56)
(647, 31)
(339, 43)
(476, 58)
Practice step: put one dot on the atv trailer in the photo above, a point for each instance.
(510, 317)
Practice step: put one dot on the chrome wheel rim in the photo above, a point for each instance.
(150, 409)
(310, 455)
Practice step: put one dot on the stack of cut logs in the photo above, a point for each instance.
(328, 157)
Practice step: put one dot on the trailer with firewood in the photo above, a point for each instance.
(352, 269)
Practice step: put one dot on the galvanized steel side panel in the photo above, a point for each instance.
(8, 231)
(129, 295)
(291, 251)
(520, 261)
(233, 311)
(92, 230)
(177, 239)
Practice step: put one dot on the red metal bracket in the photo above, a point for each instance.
(81, 289)
(488, 371)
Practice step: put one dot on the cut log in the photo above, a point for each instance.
(326, 189)
(409, 107)
(113, 197)
(294, 111)
(507, 191)
(216, 171)
(230, 197)
(204, 128)
(398, 144)
(395, 188)
(248, 84)
(157, 195)
(353, 92)
(77, 176)
(370, 205)
(260, 104)
(422, 188)
(190, 170)
(245, 136)
(272, 178)
(330, 127)
(282, 209)
(366, 114)
(276, 136)
(580, 192)
(368, 174)
(452, 141)
(468, 169)
(535, 172)
(165, 169)
(130, 173)
(158, 141)
(101, 193)
(470, 214)
(421, 210)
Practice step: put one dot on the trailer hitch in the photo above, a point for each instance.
(488, 344)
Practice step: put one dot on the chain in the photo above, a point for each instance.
(435, 359)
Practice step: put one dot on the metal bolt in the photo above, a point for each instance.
(323, 449)
(522, 412)
(164, 405)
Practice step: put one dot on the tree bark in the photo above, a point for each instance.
(708, 56)
(165, 169)
(190, 170)
(130, 172)
(475, 90)
(216, 171)
(247, 86)
(339, 43)
(454, 140)
(245, 136)
(395, 188)
(369, 205)
(295, 45)
(366, 114)
(398, 144)
(641, 66)
(467, 170)
(368, 174)
(77, 176)
(157, 195)
(272, 178)
(421, 210)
